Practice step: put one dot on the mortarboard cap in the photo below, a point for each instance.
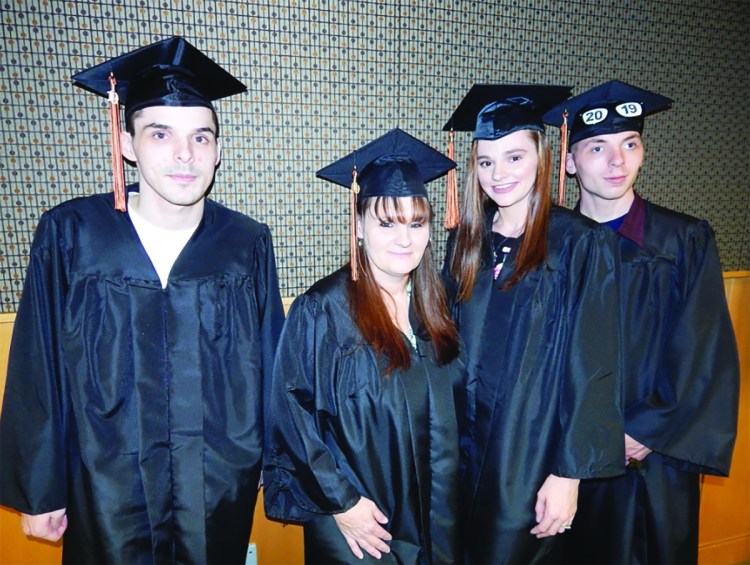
(170, 72)
(611, 107)
(395, 164)
(493, 111)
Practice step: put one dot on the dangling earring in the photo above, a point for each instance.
(360, 242)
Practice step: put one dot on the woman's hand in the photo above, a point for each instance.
(360, 526)
(556, 505)
(634, 450)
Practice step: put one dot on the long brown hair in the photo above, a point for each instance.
(369, 309)
(472, 233)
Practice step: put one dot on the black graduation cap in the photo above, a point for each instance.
(493, 111)
(395, 164)
(611, 107)
(170, 72)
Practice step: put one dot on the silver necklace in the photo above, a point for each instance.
(412, 338)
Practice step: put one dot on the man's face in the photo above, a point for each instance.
(606, 165)
(176, 151)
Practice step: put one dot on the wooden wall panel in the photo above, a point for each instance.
(725, 503)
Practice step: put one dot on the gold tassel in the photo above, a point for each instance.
(118, 173)
(451, 198)
(563, 154)
(353, 251)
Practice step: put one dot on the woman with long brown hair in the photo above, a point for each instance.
(533, 289)
(362, 429)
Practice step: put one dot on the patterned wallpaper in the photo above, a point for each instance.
(326, 76)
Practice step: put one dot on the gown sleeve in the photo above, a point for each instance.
(466, 396)
(301, 478)
(33, 471)
(592, 442)
(449, 283)
(691, 415)
(270, 308)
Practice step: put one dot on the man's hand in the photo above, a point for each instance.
(49, 526)
(360, 526)
(634, 450)
(556, 505)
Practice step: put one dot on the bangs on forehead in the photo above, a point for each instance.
(391, 209)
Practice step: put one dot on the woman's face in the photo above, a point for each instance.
(506, 168)
(395, 237)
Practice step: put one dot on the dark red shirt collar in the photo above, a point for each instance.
(633, 226)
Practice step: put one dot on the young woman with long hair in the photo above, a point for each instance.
(534, 295)
(362, 428)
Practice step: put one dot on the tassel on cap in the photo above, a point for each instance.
(118, 173)
(451, 198)
(563, 155)
(353, 250)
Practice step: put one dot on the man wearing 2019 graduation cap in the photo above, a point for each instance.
(680, 377)
(132, 419)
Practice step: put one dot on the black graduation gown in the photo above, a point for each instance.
(339, 430)
(137, 408)
(681, 392)
(543, 381)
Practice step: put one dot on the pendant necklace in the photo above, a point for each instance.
(412, 338)
(501, 251)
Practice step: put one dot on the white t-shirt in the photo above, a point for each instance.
(162, 245)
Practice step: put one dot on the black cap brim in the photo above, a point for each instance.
(541, 97)
(606, 98)
(171, 72)
(395, 164)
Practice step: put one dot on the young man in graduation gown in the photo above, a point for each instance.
(681, 373)
(132, 421)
